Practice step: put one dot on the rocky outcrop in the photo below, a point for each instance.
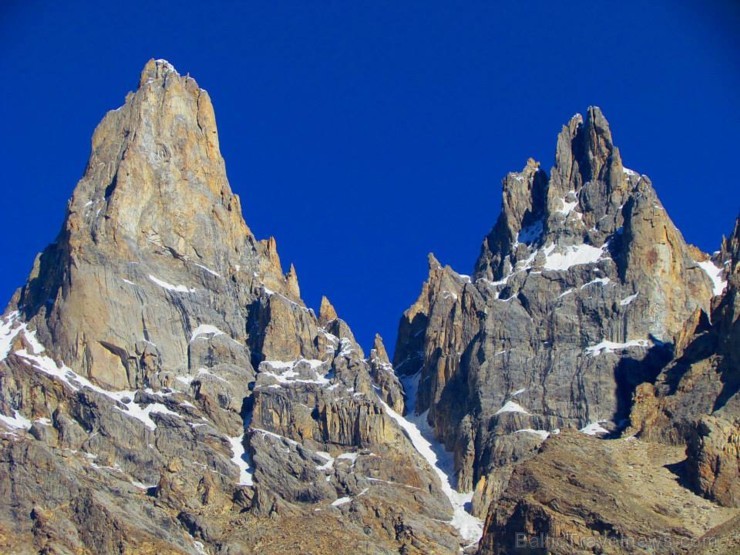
(580, 294)
(163, 387)
(584, 495)
(695, 401)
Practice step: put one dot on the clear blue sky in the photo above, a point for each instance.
(365, 134)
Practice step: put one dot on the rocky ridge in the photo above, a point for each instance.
(163, 387)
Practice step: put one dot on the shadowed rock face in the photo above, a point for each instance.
(580, 293)
(163, 387)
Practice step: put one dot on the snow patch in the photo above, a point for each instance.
(329, 464)
(142, 485)
(16, 422)
(76, 382)
(352, 457)
(595, 428)
(9, 329)
(143, 413)
(346, 347)
(610, 346)
(628, 300)
(270, 293)
(205, 329)
(715, 274)
(273, 435)
(597, 281)
(341, 501)
(417, 429)
(169, 286)
(574, 255)
(544, 434)
(511, 406)
(240, 460)
(187, 380)
(285, 371)
(207, 269)
(568, 206)
(167, 65)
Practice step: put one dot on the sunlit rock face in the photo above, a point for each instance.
(695, 401)
(163, 387)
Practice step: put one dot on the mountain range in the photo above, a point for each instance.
(165, 389)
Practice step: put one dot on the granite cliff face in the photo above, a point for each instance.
(580, 294)
(163, 387)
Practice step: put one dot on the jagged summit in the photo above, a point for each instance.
(154, 211)
(581, 201)
(580, 293)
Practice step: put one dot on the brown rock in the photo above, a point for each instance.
(326, 312)
(583, 495)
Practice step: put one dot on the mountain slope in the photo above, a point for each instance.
(586, 495)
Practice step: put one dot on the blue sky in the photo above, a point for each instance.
(363, 135)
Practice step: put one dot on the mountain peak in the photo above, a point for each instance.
(585, 150)
(153, 213)
(179, 356)
(156, 69)
(327, 313)
(155, 166)
(581, 201)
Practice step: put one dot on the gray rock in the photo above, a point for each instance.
(580, 294)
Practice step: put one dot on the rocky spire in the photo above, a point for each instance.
(581, 200)
(153, 218)
(155, 163)
(326, 311)
(292, 283)
(379, 349)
